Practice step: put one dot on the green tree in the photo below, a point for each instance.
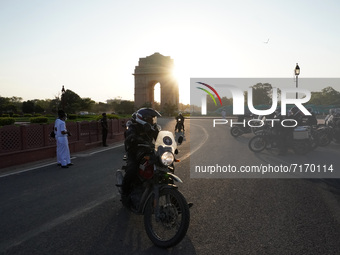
(316, 98)
(100, 107)
(70, 102)
(331, 96)
(125, 107)
(28, 106)
(10, 105)
(169, 109)
(86, 104)
(38, 108)
(327, 96)
(54, 105)
(3, 103)
(262, 94)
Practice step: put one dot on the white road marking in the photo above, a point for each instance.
(192, 151)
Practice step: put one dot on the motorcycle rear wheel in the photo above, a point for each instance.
(257, 144)
(171, 226)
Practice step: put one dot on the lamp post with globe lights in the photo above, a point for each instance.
(297, 72)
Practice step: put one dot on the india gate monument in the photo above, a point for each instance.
(150, 71)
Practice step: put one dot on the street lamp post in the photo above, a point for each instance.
(62, 98)
(297, 72)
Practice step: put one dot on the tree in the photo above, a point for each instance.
(70, 102)
(28, 106)
(100, 107)
(54, 104)
(10, 105)
(86, 104)
(330, 96)
(262, 94)
(38, 108)
(327, 96)
(123, 106)
(316, 98)
(169, 109)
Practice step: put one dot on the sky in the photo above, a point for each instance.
(93, 47)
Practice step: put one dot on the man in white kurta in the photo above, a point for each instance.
(61, 134)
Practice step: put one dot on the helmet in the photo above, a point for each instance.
(147, 117)
(133, 116)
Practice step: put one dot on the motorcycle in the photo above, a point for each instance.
(240, 129)
(300, 140)
(154, 194)
(322, 135)
(236, 131)
(179, 125)
(333, 122)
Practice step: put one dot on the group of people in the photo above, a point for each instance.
(142, 129)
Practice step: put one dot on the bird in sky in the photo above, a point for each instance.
(267, 41)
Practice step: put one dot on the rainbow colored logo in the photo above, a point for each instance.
(212, 89)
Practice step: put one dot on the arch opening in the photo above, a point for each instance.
(157, 93)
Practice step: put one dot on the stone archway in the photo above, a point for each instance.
(150, 71)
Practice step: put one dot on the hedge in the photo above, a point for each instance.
(39, 120)
(108, 116)
(6, 121)
(72, 116)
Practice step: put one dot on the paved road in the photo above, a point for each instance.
(50, 210)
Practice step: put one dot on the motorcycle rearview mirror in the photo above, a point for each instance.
(180, 139)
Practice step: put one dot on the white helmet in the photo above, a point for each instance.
(147, 117)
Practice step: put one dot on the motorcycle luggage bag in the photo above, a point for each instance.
(301, 133)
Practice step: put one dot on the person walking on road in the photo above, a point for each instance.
(61, 135)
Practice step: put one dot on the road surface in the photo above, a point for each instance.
(50, 210)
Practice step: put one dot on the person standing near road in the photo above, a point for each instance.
(103, 122)
(61, 135)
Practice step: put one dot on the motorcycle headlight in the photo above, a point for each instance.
(167, 158)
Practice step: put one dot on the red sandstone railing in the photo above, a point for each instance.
(27, 143)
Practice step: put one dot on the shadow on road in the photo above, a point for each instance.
(125, 234)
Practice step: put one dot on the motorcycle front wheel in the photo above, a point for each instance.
(324, 139)
(257, 144)
(235, 132)
(119, 180)
(170, 226)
